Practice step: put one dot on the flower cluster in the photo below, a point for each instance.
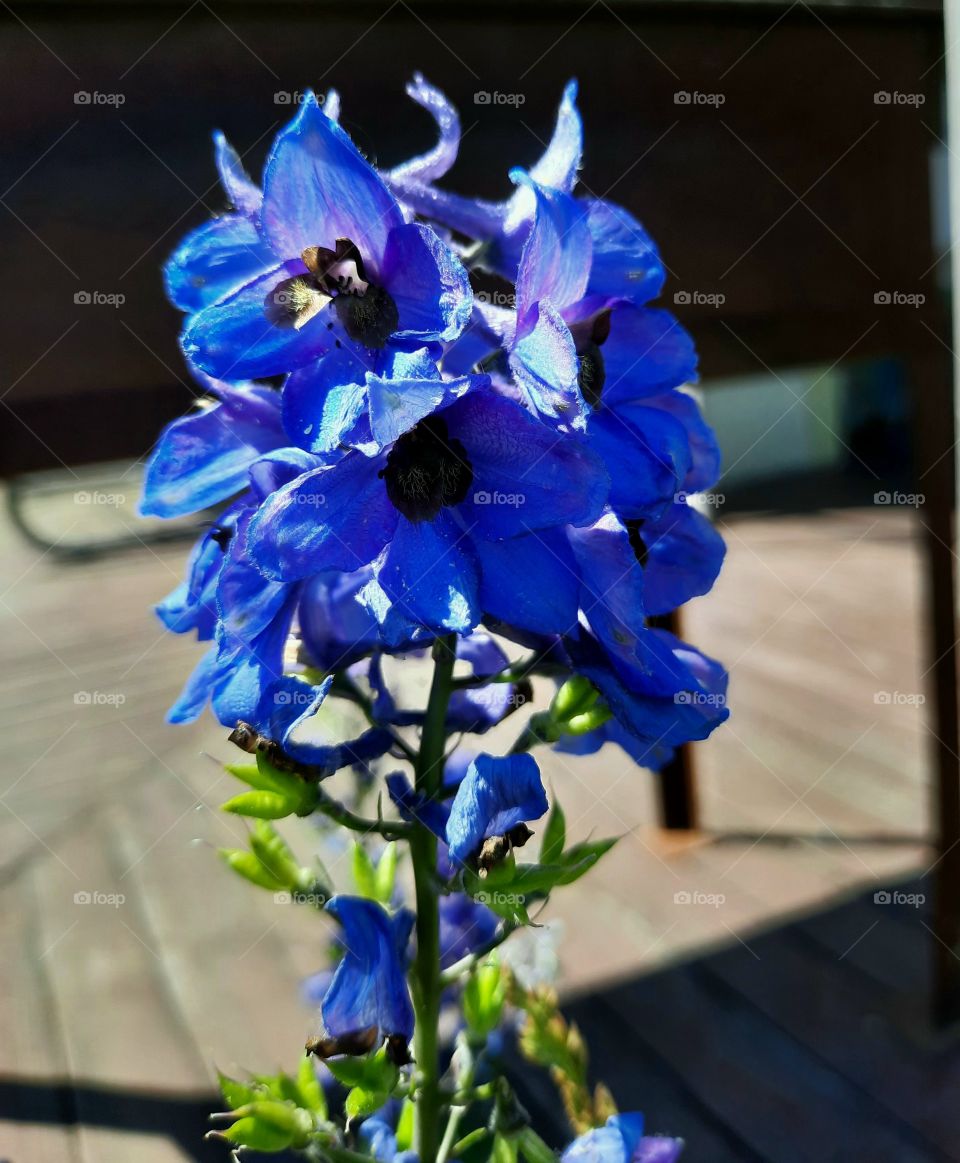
(403, 456)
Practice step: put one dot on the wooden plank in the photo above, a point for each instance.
(763, 1084)
(848, 1023)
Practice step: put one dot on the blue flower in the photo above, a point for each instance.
(622, 1140)
(204, 457)
(477, 471)
(502, 226)
(369, 988)
(346, 269)
(496, 795)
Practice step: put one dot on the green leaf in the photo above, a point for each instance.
(534, 1149)
(236, 1093)
(258, 1136)
(274, 854)
(263, 805)
(504, 1150)
(364, 873)
(386, 873)
(349, 1071)
(584, 856)
(405, 1126)
(483, 999)
(245, 864)
(362, 1102)
(311, 1092)
(554, 836)
(250, 774)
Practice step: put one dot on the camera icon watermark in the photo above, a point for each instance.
(713, 299)
(686, 97)
(700, 699)
(912, 500)
(111, 899)
(85, 97)
(899, 299)
(695, 897)
(886, 97)
(98, 299)
(914, 900)
(700, 500)
(98, 497)
(494, 497)
(99, 698)
(484, 97)
(899, 698)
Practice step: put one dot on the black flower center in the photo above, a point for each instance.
(367, 312)
(589, 336)
(426, 470)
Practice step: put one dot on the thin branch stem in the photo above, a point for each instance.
(423, 850)
(341, 814)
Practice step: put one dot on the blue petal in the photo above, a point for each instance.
(684, 556)
(496, 794)
(430, 572)
(704, 449)
(414, 807)
(286, 704)
(244, 195)
(275, 469)
(396, 405)
(323, 403)
(336, 629)
(203, 458)
(332, 518)
(465, 926)
(557, 165)
(647, 453)
(215, 259)
(193, 698)
(377, 1139)
(369, 987)
(658, 1149)
(192, 605)
(428, 283)
(626, 263)
(544, 361)
(477, 709)
(530, 582)
(247, 666)
(234, 337)
(524, 477)
(555, 263)
(435, 163)
(317, 188)
(646, 353)
(614, 1143)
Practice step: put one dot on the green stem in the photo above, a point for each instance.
(423, 850)
(341, 814)
(460, 1101)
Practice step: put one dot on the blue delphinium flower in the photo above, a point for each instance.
(346, 270)
(424, 509)
(368, 999)
(496, 796)
(622, 1140)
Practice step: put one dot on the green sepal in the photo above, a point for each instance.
(364, 872)
(257, 1135)
(554, 836)
(237, 1094)
(386, 873)
(247, 865)
(274, 854)
(405, 1126)
(309, 1089)
(533, 1148)
(483, 999)
(371, 1080)
(504, 1150)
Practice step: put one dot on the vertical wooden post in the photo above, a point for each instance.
(677, 790)
(932, 393)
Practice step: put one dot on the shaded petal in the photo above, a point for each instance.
(557, 166)
(234, 337)
(431, 573)
(332, 518)
(369, 987)
(704, 449)
(646, 452)
(433, 164)
(317, 188)
(203, 458)
(215, 259)
(530, 582)
(416, 808)
(646, 353)
(524, 477)
(684, 556)
(336, 629)
(397, 404)
(428, 283)
(496, 794)
(244, 195)
(626, 263)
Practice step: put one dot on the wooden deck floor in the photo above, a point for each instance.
(117, 1004)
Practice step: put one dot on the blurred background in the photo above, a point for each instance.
(766, 963)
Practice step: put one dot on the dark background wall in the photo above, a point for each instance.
(95, 195)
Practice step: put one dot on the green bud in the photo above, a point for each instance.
(587, 721)
(483, 1000)
(576, 695)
